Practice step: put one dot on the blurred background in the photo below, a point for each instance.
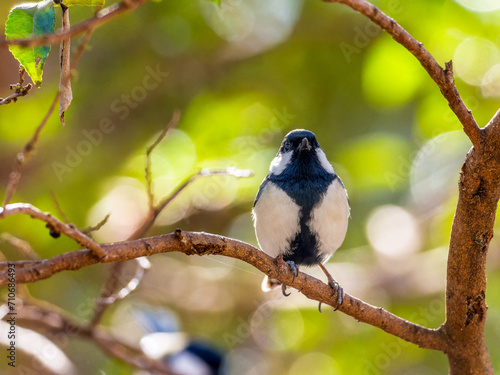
(243, 75)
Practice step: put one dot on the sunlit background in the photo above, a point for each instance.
(243, 75)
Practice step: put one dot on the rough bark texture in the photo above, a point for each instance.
(472, 230)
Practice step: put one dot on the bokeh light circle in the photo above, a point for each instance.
(480, 5)
(277, 325)
(393, 231)
(473, 58)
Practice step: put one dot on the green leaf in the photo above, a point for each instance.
(27, 21)
(218, 2)
(87, 3)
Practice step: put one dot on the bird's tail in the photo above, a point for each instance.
(269, 284)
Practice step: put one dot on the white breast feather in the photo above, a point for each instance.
(324, 161)
(280, 162)
(329, 219)
(277, 226)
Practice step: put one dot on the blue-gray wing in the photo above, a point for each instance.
(262, 186)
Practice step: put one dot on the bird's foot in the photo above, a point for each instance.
(283, 290)
(294, 268)
(295, 272)
(337, 289)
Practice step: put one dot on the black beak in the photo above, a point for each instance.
(304, 145)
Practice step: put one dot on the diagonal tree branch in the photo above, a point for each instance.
(493, 126)
(23, 156)
(165, 202)
(24, 247)
(43, 317)
(442, 77)
(192, 243)
(52, 223)
(171, 124)
(96, 227)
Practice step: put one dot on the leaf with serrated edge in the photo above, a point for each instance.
(27, 21)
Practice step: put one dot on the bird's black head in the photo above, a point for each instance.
(299, 140)
(300, 155)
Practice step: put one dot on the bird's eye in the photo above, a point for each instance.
(287, 146)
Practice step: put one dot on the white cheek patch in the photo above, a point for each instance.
(324, 161)
(280, 162)
(329, 219)
(276, 219)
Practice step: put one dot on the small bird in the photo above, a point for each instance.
(301, 210)
(162, 339)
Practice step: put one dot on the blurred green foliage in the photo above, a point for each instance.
(245, 73)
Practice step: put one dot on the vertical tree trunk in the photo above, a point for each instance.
(472, 230)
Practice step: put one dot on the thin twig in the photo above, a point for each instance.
(100, 18)
(442, 77)
(58, 207)
(192, 243)
(19, 89)
(96, 227)
(55, 225)
(17, 94)
(205, 172)
(110, 293)
(43, 317)
(23, 246)
(171, 124)
(81, 49)
(124, 352)
(23, 156)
